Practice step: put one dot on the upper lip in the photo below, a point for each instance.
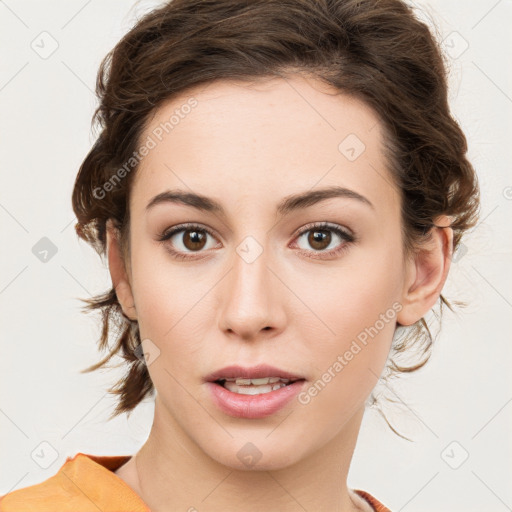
(254, 372)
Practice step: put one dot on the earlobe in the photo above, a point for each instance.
(117, 269)
(427, 272)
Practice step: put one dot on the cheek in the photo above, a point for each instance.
(352, 296)
(166, 294)
(175, 313)
(350, 362)
(358, 308)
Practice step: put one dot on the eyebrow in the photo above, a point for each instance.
(288, 205)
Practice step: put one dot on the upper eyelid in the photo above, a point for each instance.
(299, 232)
(325, 225)
(347, 235)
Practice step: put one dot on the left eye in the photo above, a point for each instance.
(320, 237)
(188, 238)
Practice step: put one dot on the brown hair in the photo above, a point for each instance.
(375, 50)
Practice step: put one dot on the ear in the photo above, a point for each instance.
(118, 272)
(426, 273)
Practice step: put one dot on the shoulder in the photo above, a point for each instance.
(374, 502)
(51, 494)
(84, 483)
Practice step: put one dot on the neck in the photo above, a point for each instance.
(173, 473)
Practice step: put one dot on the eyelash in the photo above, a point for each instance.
(322, 226)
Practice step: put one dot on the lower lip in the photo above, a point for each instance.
(253, 406)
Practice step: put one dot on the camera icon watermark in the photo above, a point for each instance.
(44, 44)
(44, 250)
(249, 454)
(351, 147)
(147, 352)
(455, 45)
(507, 193)
(44, 454)
(459, 253)
(249, 249)
(455, 455)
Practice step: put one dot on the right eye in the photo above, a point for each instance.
(321, 233)
(189, 238)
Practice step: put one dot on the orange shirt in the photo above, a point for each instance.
(87, 483)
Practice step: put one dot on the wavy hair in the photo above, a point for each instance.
(375, 50)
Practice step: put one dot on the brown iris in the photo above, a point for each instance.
(317, 238)
(194, 239)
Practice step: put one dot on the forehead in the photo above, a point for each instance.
(263, 140)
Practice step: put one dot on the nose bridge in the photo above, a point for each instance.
(250, 298)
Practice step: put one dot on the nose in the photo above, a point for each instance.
(250, 302)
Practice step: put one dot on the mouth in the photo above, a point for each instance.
(255, 386)
(253, 393)
(253, 381)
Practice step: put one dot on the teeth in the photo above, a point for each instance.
(252, 389)
(254, 386)
(257, 382)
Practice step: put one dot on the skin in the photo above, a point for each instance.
(248, 147)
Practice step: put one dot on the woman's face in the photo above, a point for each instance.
(265, 282)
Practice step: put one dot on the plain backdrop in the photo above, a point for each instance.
(457, 410)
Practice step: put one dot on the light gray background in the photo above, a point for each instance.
(457, 406)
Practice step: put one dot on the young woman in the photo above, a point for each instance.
(278, 186)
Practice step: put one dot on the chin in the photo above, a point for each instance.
(256, 453)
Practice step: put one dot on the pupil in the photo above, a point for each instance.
(318, 239)
(195, 239)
